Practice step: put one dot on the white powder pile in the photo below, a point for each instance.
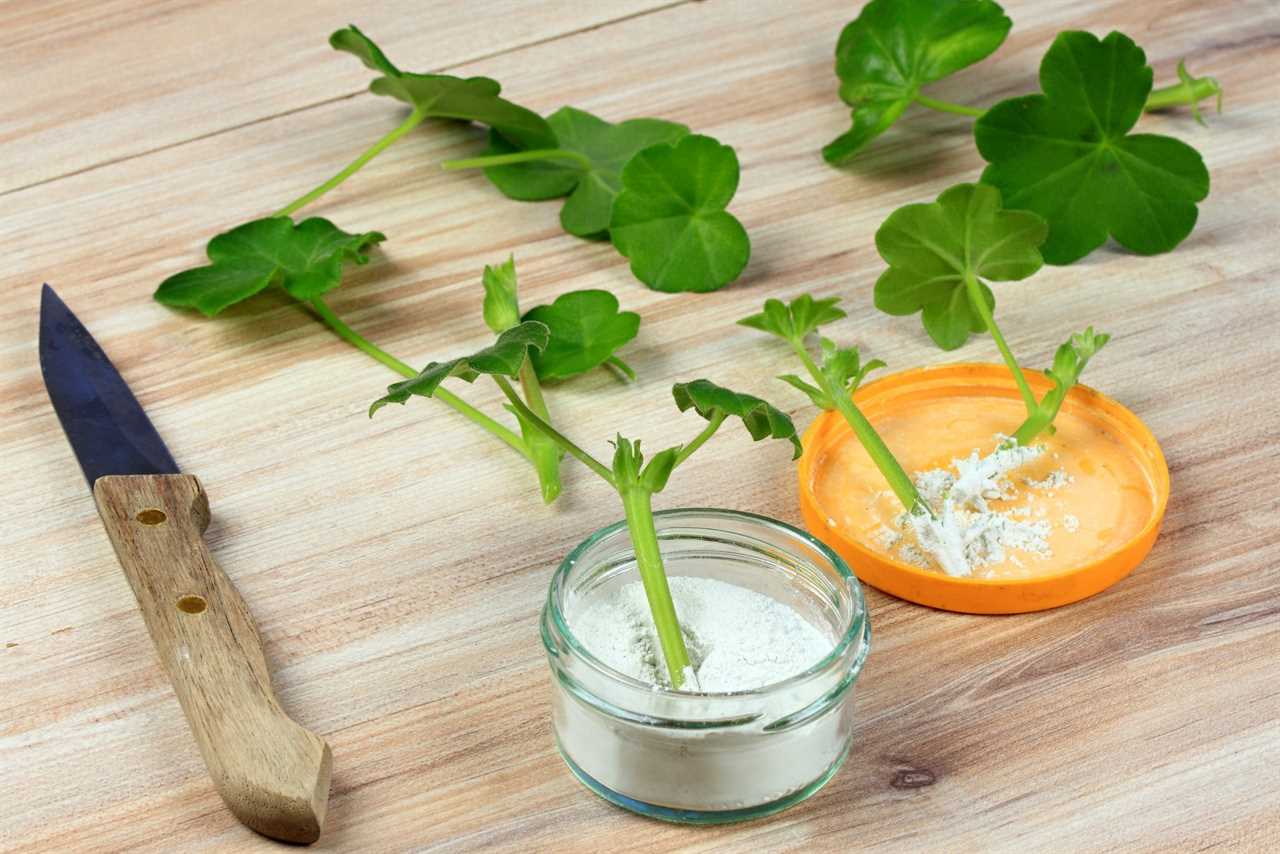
(964, 531)
(980, 478)
(737, 639)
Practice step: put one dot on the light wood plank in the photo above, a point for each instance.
(398, 602)
(88, 85)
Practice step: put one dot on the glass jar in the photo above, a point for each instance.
(705, 758)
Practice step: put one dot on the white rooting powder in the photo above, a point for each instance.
(964, 531)
(737, 639)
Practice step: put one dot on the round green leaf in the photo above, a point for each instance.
(931, 248)
(1067, 154)
(586, 328)
(670, 217)
(591, 182)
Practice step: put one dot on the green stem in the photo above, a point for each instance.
(713, 425)
(623, 370)
(552, 433)
(979, 302)
(448, 398)
(1041, 420)
(897, 477)
(546, 456)
(947, 106)
(637, 503)
(414, 119)
(346, 333)
(518, 157)
(533, 391)
(1188, 91)
(899, 480)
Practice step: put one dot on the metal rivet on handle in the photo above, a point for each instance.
(191, 604)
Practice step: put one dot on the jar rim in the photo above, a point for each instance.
(857, 630)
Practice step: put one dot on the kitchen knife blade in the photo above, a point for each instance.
(108, 430)
(272, 773)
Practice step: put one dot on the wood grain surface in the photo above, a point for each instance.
(395, 567)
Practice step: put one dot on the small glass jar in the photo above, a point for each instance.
(705, 758)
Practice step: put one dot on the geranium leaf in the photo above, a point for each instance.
(793, 321)
(592, 181)
(932, 248)
(586, 328)
(894, 47)
(503, 357)
(305, 259)
(762, 420)
(670, 217)
(472, 99)
(1067, 154)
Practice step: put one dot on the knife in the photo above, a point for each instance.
(272, 773)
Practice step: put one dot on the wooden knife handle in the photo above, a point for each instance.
(272, 773)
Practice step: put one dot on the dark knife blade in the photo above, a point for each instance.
(104, 422)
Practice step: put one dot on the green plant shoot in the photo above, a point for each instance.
(502, 313)
(939, 255)
(835, 379)
(894, 47)
(1066, 154)
(635, 479)
(307, 260)
(657, 193)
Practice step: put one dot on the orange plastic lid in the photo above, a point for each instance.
(971, 594)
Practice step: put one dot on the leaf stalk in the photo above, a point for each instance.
(552, 433)
(448, 398)
(979, 303)
(415, 118)
(518, 157)
(1187, 92)
(898, 479)
(698, 441)
(543, 452)
(948, 106)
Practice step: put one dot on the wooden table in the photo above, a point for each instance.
(396, 567)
